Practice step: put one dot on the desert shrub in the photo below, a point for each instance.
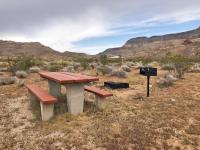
(166, 81)
(195, 68)
(7, 80)
(138, 65)
(21, 74)
(104, 69)
(126, 68)
(130, 64)
(93, 65)
(119, 73)
(3, 64)
(169, 67)
(68, 69)
(21, 63)
(180, 69)
(84, 62)
(76, 66)
(181, 64)
(103, 59)
(3, 69)
(34, 69)
(54, 67)
(20, 82)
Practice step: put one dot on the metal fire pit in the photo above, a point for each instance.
(116, 85)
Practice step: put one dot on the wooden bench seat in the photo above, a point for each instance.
(47, 101)
(99, 93)
(41, 94)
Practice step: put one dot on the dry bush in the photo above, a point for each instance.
(181, 69)
(22, 63)
(169, 67)
(7, 80)
(195, 68)
(119, 73)
(54, 67)
(34, 69)
(130, 64)
(103, 59)
(3, 69)
(180, 63)
(104, 69)
(166, 81)
(126, 68)
(76, 66)
(21, 74)
(20, 82)
(68, 69)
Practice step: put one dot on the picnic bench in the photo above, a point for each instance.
(74, 84)
(47, 101)
(99, 93)
(75, 87)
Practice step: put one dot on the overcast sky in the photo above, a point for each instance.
(91, 26)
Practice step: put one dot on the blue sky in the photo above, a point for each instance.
(91, 26)
(127, 33)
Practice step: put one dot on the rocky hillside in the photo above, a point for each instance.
(30, 48)
(11, 48)
(185, 43)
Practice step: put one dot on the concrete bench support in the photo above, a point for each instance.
(32, 97)
(46, 100)
(99, 101)
(46, 111)
(75, 98)
(54, 88)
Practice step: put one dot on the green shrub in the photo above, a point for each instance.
(103, 59)
(104, 69)
(21, 63)
(54, 67)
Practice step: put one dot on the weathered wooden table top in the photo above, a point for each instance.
(67, 77)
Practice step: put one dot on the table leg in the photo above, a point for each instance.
(54, 88)
(75, 98)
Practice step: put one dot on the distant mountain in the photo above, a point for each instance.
(11, 48)
(184, 43)
(73, 54)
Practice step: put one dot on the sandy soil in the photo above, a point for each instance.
(169, 119)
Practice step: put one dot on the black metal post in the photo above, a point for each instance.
(148, 80)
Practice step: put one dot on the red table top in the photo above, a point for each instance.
(67, 77)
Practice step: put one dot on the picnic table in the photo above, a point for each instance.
(74, 84)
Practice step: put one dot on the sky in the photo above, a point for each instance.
(91, 26)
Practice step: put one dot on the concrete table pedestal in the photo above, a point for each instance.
(75, 98)
(54, 88)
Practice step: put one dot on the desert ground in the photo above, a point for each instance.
(168, 119)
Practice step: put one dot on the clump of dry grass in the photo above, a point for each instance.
(166, 81)
(119, 73)
(21, 74)
(126, 68)
(34, 69)
(104, 69)
(7, 80)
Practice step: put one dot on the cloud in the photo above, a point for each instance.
(60, 24)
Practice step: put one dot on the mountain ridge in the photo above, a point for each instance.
(160, 45)
(12, 48)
